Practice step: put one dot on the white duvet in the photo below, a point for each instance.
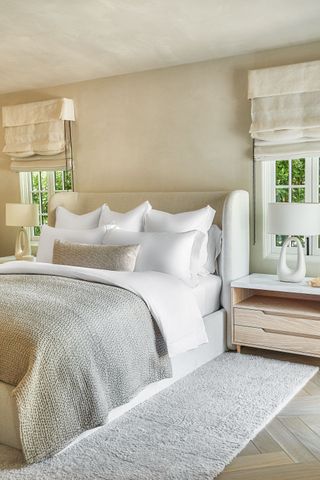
(170, 301)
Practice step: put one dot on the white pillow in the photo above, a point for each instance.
(199, 220)
(132, 220)
(165, 252)
(72, 221)
(50, 234)
(214, 249)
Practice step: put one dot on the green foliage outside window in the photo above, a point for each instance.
(43, 183)
(290, 178)
(282, 172)
(63, 181)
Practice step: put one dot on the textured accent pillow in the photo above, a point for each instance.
(50, 234)
(72, 221)
(132, 220)
(165, 252)
(199, 220)
(104, 257)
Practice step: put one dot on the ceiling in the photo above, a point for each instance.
(51, 42)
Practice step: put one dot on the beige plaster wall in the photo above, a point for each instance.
(179, 128)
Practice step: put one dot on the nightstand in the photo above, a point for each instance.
(273, 315)
(7, 259)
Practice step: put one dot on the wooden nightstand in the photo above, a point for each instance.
(274, 315)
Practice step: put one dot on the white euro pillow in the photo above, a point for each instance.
(132, 220)
(50, 234)
(199, 220)
(165, 252)
(72, 221)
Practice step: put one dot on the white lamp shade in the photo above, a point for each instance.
(22, 215)
(294, 218)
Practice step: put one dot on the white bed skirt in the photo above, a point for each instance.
(182, 365)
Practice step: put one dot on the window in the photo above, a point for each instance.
(292, 180)
(38, 187)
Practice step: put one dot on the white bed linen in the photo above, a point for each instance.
(207, 293)
(168, 298)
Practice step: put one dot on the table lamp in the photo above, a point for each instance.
(293, 219)
(22, 215)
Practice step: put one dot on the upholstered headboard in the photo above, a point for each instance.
(232, 215)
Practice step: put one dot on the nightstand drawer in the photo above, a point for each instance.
(259, 337)
(276, 322)
(272, 315)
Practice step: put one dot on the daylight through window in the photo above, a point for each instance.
(38, 187)
(294, 180)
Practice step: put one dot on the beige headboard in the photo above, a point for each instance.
(232, 215)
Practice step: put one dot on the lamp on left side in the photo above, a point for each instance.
(22, 215)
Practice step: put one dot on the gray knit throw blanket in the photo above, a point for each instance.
(74, 350)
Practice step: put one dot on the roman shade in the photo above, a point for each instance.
(285, 111)
(38, 135)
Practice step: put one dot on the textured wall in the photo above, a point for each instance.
(179, 128)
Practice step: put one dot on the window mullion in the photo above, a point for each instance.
(290, 180)
(269, 195)
(308, 180)
(51, 184)
(309, 192)
(25, 187)
(314, 187)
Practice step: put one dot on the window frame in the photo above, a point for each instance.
(26, 190)
(312, 194)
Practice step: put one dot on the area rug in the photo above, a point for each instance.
(190, 431)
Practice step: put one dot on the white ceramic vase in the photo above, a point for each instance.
(287, 274)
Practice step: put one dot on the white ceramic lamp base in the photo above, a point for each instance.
(287, 274)
(22, 250)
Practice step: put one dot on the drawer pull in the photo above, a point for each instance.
(290, 334)
(277, 314)
(285, 315)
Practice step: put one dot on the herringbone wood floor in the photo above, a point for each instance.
(289, 447)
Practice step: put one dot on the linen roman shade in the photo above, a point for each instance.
(38, 135)
(285, 111)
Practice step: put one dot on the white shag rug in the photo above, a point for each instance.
(190, 431)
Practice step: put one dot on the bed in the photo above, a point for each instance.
(212, 295)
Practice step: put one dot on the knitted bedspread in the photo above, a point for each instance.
(74, 350)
